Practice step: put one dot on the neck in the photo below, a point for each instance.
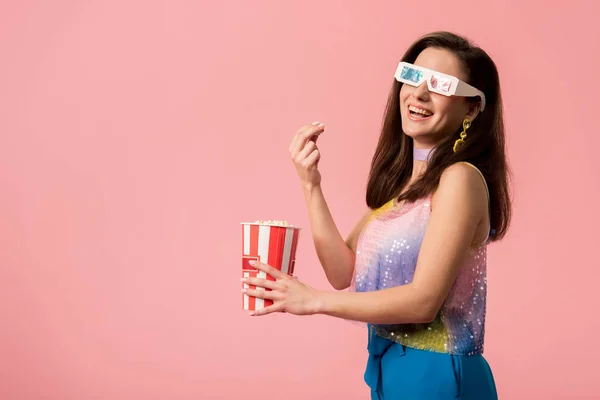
(420, 159)
(421, 154)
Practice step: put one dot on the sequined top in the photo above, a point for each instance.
(386, 256)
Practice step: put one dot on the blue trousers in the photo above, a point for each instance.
(397, 372)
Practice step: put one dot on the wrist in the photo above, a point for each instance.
(310, 188)
(321, 302)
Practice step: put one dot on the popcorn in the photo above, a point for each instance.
(272, 222)
(272, 242)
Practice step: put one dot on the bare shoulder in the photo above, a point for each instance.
(462, 182)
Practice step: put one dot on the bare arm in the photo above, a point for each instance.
(336, 255)
(460, 208)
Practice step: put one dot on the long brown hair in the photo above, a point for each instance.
(392, 163)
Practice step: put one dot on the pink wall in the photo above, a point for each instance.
(136, 135)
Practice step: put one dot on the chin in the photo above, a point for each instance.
(419, 137)
(418, 133)
(423, 136)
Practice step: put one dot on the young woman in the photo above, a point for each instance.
(416, 261)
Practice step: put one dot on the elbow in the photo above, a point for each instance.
(341, 281)
(428, 311)
(427, 316)
(340, 284)
(424, 303)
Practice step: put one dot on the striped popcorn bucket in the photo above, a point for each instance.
(271, 244)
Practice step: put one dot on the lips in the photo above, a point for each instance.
(416, 113)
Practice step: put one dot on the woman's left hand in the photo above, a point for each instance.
(288, 293)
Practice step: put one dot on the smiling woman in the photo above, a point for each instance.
(416, 261)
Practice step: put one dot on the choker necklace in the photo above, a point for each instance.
(421, 154)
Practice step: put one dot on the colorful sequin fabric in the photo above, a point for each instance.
(386, 256)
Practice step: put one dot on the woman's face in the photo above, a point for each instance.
(428, 117)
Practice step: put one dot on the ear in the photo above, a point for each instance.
(473, 110)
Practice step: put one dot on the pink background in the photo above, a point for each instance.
(136, 135)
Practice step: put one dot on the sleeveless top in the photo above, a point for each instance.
(386, 256)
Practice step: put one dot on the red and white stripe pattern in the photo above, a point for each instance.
(270, 244)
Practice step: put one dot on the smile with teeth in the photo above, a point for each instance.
(419, 113)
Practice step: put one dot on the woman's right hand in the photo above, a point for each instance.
(305, 154)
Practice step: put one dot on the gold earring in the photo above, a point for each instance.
(463, 134)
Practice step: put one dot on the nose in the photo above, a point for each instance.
(421, 92)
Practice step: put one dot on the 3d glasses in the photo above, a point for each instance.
(437, 82)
